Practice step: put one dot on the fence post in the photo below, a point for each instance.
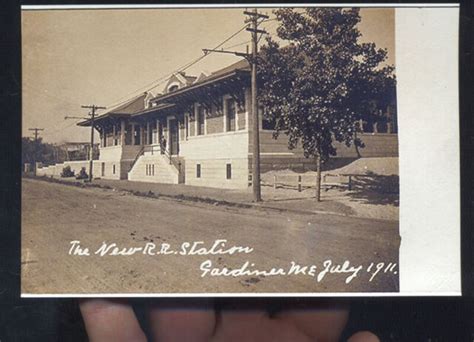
(299, 183)
(350, 183)
(274, 182)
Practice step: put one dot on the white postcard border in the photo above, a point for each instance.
(430, 262)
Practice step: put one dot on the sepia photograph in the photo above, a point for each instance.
(211, 151)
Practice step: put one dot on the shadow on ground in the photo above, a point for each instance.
(376, 189)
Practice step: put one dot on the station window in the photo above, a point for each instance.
(186, 126)
(230, 118)
(173, 88)
(229, 171)
(200, 121)
(198, 170)
(113, 169)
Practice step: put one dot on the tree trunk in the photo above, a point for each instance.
(356, 147)
(318, 177)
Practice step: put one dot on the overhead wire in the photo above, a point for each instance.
(60, 129)
(164, 78)
(236, 45)
(148, 86)
(249, 41)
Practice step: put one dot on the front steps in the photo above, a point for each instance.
(153, 168)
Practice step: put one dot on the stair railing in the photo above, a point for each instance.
(152, 148)
(140, 152)
(176, 164)
(162, 150)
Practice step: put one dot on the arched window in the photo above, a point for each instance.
(173, 88)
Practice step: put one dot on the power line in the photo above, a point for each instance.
(161, 80)
(117, 104)
(267, 20)
(36, 130)
(239, 44)
(253, 19)
(146, 87)
(49, 133)
(271, 25)
(93, 108)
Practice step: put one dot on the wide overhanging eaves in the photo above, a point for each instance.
(197, 90)
(102, 118)
(154, 109)
(224, 82)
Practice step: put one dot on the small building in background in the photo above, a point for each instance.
(70, 151)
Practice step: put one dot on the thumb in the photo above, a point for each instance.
(363, 336)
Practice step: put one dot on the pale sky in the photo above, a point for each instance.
(80, 57)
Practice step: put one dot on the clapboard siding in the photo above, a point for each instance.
(376, 145)
(215, 124)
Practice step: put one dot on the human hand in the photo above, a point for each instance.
(115, 320)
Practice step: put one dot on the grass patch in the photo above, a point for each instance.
(149, 194)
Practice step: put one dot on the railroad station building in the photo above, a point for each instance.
(198, 132)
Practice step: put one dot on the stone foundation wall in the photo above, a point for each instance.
(376, 145)
(214, 173)
(101, 169)
(213, 153)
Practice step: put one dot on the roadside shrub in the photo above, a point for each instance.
(67, 172)
(82, 174)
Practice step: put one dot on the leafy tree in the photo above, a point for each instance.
(322, 80)
(49, 154)
(37, 151)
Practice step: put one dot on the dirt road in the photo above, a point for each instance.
(53, 215)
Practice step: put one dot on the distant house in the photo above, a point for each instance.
(77, 150)
(198, 132)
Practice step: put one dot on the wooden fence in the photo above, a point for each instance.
(300, 182)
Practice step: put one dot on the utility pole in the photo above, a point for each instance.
(253, 19)
(93, 108)
(36, 130)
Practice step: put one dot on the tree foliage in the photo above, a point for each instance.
(32, 151)
(49, 154)
(322, 80)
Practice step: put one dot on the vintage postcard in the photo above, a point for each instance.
(231, 151)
